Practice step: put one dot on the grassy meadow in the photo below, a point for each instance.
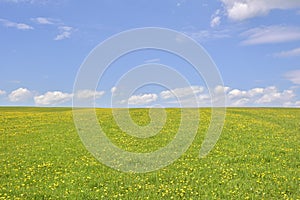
(256, 157)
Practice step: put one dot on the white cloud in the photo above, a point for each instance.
(271, 34)
(154, 60)
(244, 9)
(142, 99)
(204, 35)
(89, 94)
(236, 93)
(43, 20)
(52, 98)
(113, 90)
(203, 97)
(272, 95)
(241, 10)
(255, 91)
(181, 92)
(290, 53)
(215, 21)
(20, 95)
(195, 96)
(221, 89)
(268, 96)
(29, 1)
(2, 92)
(66, 28)
(293, 76)
(14, 1)
(20, 26)
(65, 32)
(240, 102)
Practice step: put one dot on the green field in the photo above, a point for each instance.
(256, 157)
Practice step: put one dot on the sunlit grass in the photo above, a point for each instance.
(257, 157)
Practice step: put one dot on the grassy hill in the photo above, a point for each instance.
(256, 157)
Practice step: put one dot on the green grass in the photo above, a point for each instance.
(256, 157)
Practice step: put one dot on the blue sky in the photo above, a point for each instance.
(254, 43)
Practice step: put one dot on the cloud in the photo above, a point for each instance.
(142, 99)
(52, 98)
(20, 95)
(204, 35)
(271, 34)
(20, 26)
(293, 76)
(15, 1)
(113, 90)
(221, 89)
(236, 93)
(268, 96)
(240, 102)
(215, 21)
(89, 94)
(194, 96)
(65, 32)
(290, 53)
(239, 10)
(181, 92)
(2, 92)
(43, 20)
(259, 96)
(27, 1)
(272, 95)
(154, 60)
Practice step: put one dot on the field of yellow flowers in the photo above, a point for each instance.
(256, 157)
